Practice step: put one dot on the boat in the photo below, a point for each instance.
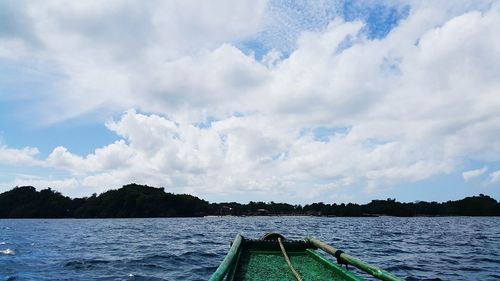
(273, 257)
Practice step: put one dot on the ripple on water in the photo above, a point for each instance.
(84, 264)
(423, 279)
(403, 267)
(482, 260)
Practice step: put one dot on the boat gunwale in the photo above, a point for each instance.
(227, 263)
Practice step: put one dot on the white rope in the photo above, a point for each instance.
(297, 275)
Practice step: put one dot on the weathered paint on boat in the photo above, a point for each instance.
(264, 260)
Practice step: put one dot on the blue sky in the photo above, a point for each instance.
(331, 101)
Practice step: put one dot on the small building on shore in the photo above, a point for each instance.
(262, 212)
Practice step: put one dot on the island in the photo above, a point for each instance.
(142, 201)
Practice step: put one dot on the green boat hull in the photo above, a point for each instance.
(264, 260)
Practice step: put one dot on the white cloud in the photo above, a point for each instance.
(113, 156)
(467, 175)
(63, 159)
(416, 103)
(12, 156)
(109, 54)
(238, 154)
(495, 177)
(61, 185)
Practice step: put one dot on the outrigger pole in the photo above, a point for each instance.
(344, 258)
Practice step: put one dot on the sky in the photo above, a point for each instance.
(286, 101)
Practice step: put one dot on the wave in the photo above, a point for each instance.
(190, 254)
(7, 252)
(144, 278)
(84, 264)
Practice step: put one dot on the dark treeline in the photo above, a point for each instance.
(134, 201)
(130, 201)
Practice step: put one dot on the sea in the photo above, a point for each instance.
(418, 248)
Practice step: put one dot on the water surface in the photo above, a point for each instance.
(442, 248)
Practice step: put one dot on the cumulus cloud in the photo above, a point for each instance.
(12, 156)
(215, 119)
(241, 154)
(467, 175)
(98, 50)
(112, 156)
(58, 184)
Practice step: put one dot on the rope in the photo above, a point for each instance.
(339, 261)
(297, 275)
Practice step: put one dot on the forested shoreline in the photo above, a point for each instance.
(139, 201)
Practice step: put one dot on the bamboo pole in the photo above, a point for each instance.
(225, 265)
(370, 269)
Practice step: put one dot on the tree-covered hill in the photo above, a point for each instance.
(134, 201)
(138, 201)
(130, 201)
(26, 202)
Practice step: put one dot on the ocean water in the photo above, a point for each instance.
(441, 248)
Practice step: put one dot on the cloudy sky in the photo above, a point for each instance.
(332, 101)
